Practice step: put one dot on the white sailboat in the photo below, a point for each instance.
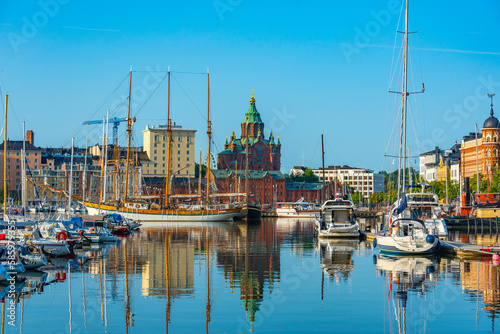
(408, 235)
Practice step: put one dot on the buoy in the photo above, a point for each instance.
(62, 236)
(430, 239)
(496, 259)
(374, 242)
(92, 230)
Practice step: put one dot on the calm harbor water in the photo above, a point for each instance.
(269, 277)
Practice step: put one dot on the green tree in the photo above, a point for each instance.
(197, 169)
(307, 177)
(356, 197)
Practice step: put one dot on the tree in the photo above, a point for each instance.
(308, 177)
(197, 169)
(356, 197)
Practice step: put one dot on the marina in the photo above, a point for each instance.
(358, 191)
(235, 278)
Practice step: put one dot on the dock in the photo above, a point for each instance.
(459, 249)
(463, 250)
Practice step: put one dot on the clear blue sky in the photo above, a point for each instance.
(315, 68)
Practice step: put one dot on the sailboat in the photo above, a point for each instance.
(408, 235)
(139, 208)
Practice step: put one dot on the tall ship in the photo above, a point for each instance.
(163, 208)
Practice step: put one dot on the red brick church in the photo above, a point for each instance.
(263, 154)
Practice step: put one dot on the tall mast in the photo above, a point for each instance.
(129, 131)
(404, 93)
(323, 162)
(71, 174)
(84, 179)
(169, 146)
(23, 166)
(106, 157)
(477, 164)
(209, 133)
(199, 180)
(5, 158)
(102, 164)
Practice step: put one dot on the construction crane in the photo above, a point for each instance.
(115, 120)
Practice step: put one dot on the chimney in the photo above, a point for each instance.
(30, 137)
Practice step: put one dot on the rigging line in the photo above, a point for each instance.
(150, 96)
(180, 72)
(314, 153)
(189, 98)
(394, 47)
(333, 152)
(97, 109)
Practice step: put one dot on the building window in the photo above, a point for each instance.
(27, 154)
(155, 150)
(187, 159)
(36, 154)
(36, 160)
(188, 139)
(179, 138)
(8, 160)
(17, 153)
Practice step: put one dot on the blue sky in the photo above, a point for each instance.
(322, 68)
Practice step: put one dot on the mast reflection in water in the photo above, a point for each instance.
(234, 278)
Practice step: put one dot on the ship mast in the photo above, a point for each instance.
(209, 133)
(404, 93)
(5, 159)
(323, 162)
(169, 146)
(129, 131)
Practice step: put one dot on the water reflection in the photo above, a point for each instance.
(205, 277)
(336, 257)
(404, 275)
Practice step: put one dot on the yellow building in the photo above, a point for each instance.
(442, 170)
(156, 146)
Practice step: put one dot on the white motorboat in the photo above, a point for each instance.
(335, 220)
(296, 210)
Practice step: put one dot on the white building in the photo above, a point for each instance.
(429, 163)
(298, 170)
(363, 180)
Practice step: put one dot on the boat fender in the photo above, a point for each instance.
(92, 230)
(430, 239)
(61, 277)
(61, 236)
(374, 242)
(429, 270)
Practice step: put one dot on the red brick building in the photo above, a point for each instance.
(265, 187)
(310, 192)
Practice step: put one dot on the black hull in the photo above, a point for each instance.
(252, 212)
